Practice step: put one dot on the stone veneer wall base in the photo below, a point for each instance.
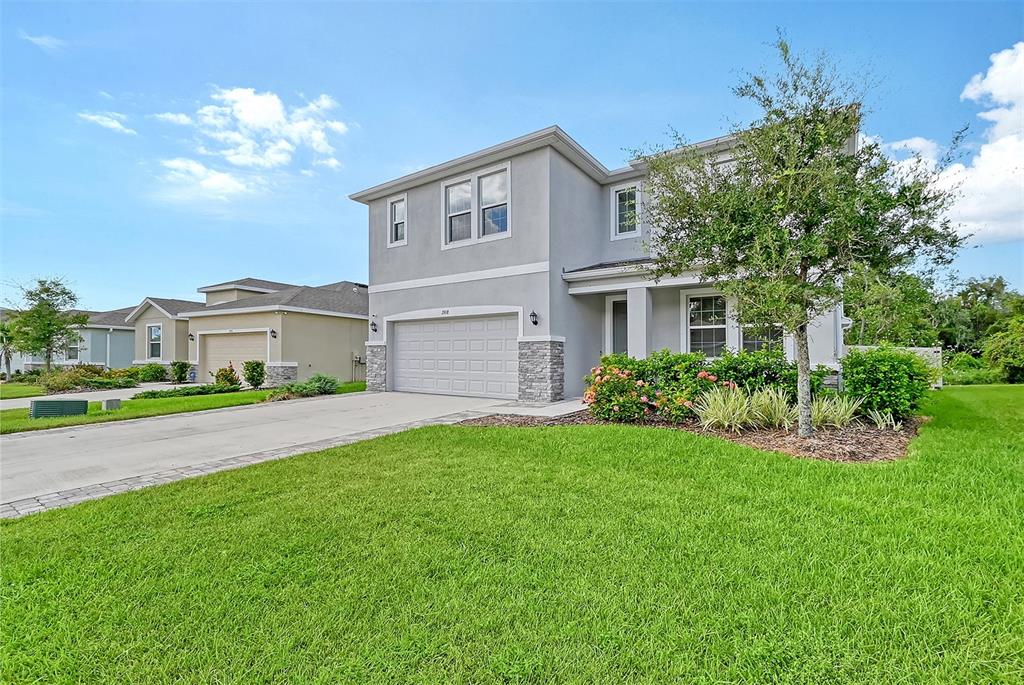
(541, 371)
(376, 368)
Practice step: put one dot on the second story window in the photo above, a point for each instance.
(458, 204)
(494, 203)
(625, 211)
(396, 222)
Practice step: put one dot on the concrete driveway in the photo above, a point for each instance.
(92, 395)
(40, 463)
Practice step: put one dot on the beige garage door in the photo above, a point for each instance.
(215, 351)
(472, 356)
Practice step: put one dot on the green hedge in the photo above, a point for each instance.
(887, 379)
(187, 391)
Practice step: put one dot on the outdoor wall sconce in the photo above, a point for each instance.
(373, 326)
(534, 319)
(273, 334)
(191, 338)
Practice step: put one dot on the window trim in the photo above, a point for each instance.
(609, 322)
(684, 318)
(482, 206)
(476, 210)
(77, 346)
(613, 213)
(149, 343)
(391, 224)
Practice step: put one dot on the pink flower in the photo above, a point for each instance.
(644, 399)
(712, 377)
(702, 374)
(657, 393)
(639, 384)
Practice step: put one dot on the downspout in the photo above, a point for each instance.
(109, 331)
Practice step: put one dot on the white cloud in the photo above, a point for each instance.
(990, 186)
(174, 118)
(104, 94)
(257, 130)
(111, 120)
(189, 180)
(330, 163)
(47, 43)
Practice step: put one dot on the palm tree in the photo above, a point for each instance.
(7, 346)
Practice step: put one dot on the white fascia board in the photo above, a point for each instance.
(463, 277)
(234, 286)
(274, 308)
(553, 135)
(606, 272)
(150, 303)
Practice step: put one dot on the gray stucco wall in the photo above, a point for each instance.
(122, 348)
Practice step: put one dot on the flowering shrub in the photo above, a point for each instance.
(666, 385)
(765, 368)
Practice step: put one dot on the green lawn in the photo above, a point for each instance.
(570, 554)
(17, 420)
(12, 390)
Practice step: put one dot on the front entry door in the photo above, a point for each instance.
(620, 342)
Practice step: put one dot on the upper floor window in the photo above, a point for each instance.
(494, 203)
(754, 339)
(459, 207)
(154, 335)
(396, 221)
(478, 207)
(707, 325)
(625, 211)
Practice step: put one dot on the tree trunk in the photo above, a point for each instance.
(47, 358)
(7, 366)
(803, 381)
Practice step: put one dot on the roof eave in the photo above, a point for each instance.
(553, 136)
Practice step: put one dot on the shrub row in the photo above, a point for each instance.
(84, 377)
(751, 389)
(187, 391)
(317, 384)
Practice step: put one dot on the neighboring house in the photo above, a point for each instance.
(510, 271)
(106, 340)
(297, 330)
(161, 333)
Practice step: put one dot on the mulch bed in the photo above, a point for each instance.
(860, 442)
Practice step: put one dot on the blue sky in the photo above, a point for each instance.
(149, 149)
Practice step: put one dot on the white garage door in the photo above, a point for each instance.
(217, 350)
(471, 356)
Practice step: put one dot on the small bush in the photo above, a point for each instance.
(962, 361)
(179, 371)
(973, 377)
(763, 368)
(255, 373)
(317, 384)
(884, 420)
(226, 376)
(834, 410)
(725, 407)
(152, 373)
(188, 391)
(133, 372)
(771, 408)
(887, 379)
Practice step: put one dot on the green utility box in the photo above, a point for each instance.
(43, 408)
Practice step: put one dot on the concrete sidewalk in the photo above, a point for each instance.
(92, 396)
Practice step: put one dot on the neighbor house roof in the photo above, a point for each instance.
(344, 298)
(552, 136)
(168, 307)
(114, 317)
(254, 284)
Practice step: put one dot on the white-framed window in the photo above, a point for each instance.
(478, 207)
(625, 211)
(154, 340)
(458, 202)
(72, 351)
(706, 324)
(397, 221)
(753, 339)
(494, 203)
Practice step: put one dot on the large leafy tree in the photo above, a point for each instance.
(974, 310)
(893, 308)
(791, 205)
(47, 324)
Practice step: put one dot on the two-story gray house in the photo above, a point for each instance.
(510, 271)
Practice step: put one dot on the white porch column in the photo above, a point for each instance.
(639, 317)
